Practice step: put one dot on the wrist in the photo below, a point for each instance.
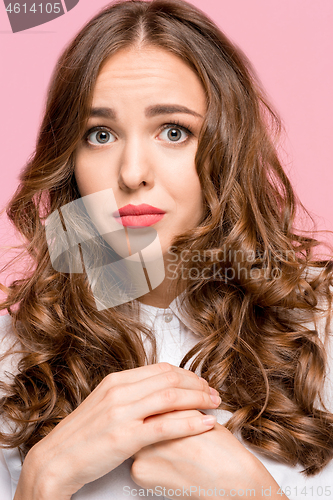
(264, 483)
(37, 480)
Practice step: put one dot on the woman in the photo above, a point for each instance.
(152, 102)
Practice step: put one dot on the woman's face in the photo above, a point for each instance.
(141, 140)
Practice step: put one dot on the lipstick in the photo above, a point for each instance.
(138, 215)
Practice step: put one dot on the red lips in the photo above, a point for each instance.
(142, 209)
(136, 216)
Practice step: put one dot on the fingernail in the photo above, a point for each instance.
(214, 396)
(209, 420)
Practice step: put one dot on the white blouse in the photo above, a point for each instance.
(174, 339)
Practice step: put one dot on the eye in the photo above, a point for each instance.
(99, 136)
(175, 133)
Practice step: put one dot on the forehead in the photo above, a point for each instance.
(149, 71)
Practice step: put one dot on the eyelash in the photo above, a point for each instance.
(175, 123)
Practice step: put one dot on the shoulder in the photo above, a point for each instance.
(7, 335)
(9, 347)
(323, 314)
(323, 324)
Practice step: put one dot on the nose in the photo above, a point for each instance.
(135, 169)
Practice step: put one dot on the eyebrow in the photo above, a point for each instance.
(150, 112)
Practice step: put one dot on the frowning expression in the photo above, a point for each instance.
(141, 140)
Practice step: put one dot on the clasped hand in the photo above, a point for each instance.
(199, 464)
(112, 424)
(150, 413)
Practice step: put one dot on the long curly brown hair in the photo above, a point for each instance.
(251, 294)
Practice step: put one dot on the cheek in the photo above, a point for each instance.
(189, 203)
(90, 173)
(182, 175)
(81, 173)
(194, 197)
(189, 191)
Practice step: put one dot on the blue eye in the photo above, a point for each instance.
(99, 137)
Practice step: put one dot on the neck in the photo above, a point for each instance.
(163, 294)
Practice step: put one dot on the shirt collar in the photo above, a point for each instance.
(175, 307)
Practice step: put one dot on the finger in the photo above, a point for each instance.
(159, 428)
(126, 393)
(176, 414)
(123, 388)
(132, 376)
(147, 371)
(170, 399)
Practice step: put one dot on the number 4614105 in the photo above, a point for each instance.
(312, 491)
(49, 8)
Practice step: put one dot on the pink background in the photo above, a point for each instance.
(289, 42)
